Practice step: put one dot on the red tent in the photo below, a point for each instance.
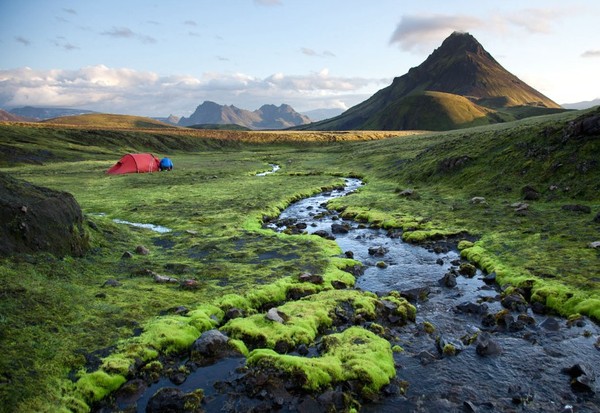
(135, 163)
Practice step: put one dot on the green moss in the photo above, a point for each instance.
(97, 385)
(428, 327)
(305, 318)
(355, 354)
(449, 350)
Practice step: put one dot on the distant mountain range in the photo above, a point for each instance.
(320, 114)
(459, 85)
(267, 117)
(582, 105)
(39, 113)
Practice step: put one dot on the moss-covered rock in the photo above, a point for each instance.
(355, 354)
(34, 219)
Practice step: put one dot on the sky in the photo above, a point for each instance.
(156, 58)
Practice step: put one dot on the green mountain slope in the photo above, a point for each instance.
(460, 66)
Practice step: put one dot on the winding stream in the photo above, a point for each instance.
(526, 373)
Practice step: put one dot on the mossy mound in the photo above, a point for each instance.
(352, 355)
(37, 219)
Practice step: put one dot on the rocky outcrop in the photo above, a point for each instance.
(36, 219)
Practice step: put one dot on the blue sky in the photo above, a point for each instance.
(156, 58)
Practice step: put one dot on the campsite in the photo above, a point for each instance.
(75, 326)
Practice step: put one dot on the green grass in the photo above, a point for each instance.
(54, 312)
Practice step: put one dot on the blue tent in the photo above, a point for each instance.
(165, 164)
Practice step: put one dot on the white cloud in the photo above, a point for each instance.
(591, 53)
(122, 90)
(421, 32)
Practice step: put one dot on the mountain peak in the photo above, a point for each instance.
(459, 78)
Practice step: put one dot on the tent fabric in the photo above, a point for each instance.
(166, 164)
(135, 163)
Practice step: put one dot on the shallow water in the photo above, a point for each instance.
(526, 376)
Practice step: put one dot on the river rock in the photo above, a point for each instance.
(130, 392)
(489, 278)
(169, 399)
(324, 234)
(426, 357)
(472, 308)
(582, 377)
(340, 228)
(515, 302)
(486, 346)
(349, 254)
(449, 346)
(416, 294)
(550, 324)
(468, 270)
(448, 280)
(378, 251)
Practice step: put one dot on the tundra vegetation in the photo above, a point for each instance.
(73, 328)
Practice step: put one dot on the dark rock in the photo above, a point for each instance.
(469, 407)
(426, 357)
(456, 262)
(127, 255)
(449, 346)
(582, 377)
(233, 313)
(111, 282)
(130, 392)
(467, 269)
(515, 302)
(416, 294)
(36, 219)
(171, 400)
(539, 308)
(453, 163)
(100, 295)
(439, 261)
(530, 193)
(302, 350)
(311, 278)
(349, 254)
(378, 251)
(448, 280)
(356, 270)
(301, 225)
(577, 208)
(340, 228)
(210, 346)
(324, 234)
(489, 278)
(338, 285)
(597, 218)
(472, 308)
(583, 127)
(141, 250)
(550, 324)
(486, 346)
(381, 264)
(520, 395)
(178, 378)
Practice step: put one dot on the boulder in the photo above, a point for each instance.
(448, 280)
(311, 278)
(169, 399)
(141, 250)
(378, 251)
(324, 234)
(277, 316)
(515, 302)
(595, 244)
(486, 346)
(340, 228)
(530, 193)
(36, 219)
(577, 208)
(478, 200)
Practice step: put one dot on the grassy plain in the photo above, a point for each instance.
(58, 316)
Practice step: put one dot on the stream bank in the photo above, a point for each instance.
(470, 348)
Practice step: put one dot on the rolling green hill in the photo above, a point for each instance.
(110, 121)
